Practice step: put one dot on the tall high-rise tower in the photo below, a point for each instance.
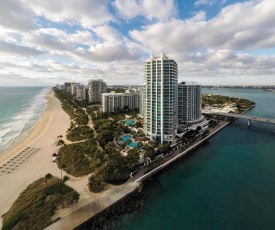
(189, 103)
(161, 100)
(96, 88)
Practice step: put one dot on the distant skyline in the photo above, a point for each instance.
(214, 42)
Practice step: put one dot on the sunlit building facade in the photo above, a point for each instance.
(160, 98)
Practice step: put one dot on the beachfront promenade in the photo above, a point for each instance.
(247, 117)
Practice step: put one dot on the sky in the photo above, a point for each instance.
(214, 42)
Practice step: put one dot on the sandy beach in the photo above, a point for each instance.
(32, 157)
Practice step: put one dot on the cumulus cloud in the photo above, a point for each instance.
(14, 79)
(87, 13)
(16, 15)
(150, 9)
(82, 40)
(226, 63)
(19, 50)
(230, 30)
(102, 44)
(204, 2)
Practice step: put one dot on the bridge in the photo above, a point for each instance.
(248, 117)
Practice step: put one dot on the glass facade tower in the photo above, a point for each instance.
(161, 100)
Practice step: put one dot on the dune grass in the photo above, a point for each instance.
(36, 205)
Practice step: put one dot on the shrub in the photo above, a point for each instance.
(80, 133)
(59, 187)
(96, 185)
(48, 176)
(12, 221)
(40, 200)
(60, 142)
(65, 178)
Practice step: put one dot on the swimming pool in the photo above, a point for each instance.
(132, 144)
(125, 138)
(130, 122)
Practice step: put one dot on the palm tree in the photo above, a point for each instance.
(149, 151)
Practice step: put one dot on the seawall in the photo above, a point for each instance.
(154, 171)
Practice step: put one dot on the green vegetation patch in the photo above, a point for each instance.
(220, 101)
(80, 133)
(71, 107)
(81, 117)
(96, 184)
(81, 158)
(152, 166)
(36, 205)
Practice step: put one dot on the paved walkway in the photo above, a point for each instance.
(91, 207)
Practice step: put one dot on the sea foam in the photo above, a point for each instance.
(20, 124)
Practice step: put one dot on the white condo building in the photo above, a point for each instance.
(82, 92)
(74, 87)
(142, 93)
(115, 102)
(160, 100)
(189, 103)
(68, 86)
(96, 88)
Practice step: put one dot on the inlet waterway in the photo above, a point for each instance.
(229, 183)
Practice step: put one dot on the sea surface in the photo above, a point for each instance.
(229, 183)
(20, 109)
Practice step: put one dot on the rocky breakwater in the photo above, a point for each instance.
(111, 216)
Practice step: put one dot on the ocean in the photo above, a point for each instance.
(228, 183)
(20, 109)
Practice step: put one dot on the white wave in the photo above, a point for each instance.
(20, 124)
(3, 132)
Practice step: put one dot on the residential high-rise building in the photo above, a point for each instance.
(142, 93)
(82, 92)
(68, 87)
(161, 100)
(115, 102)
(74, 87)
(189, 102)
(96, 88)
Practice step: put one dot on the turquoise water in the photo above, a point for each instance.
(125, 138)
(229, 183)
(20, 109)
(128, 137)
(133, 144)
(130, 122)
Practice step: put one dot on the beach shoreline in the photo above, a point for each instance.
(22, 141)
(16, 175)
(21, 138)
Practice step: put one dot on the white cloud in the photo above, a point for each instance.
(19, 50)
(230, 30)
(151, 9)
(14, 79)
(205, 2)
(226, 63)
(86, 13)
(95, 48)
(16, 15)
(103, 44)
